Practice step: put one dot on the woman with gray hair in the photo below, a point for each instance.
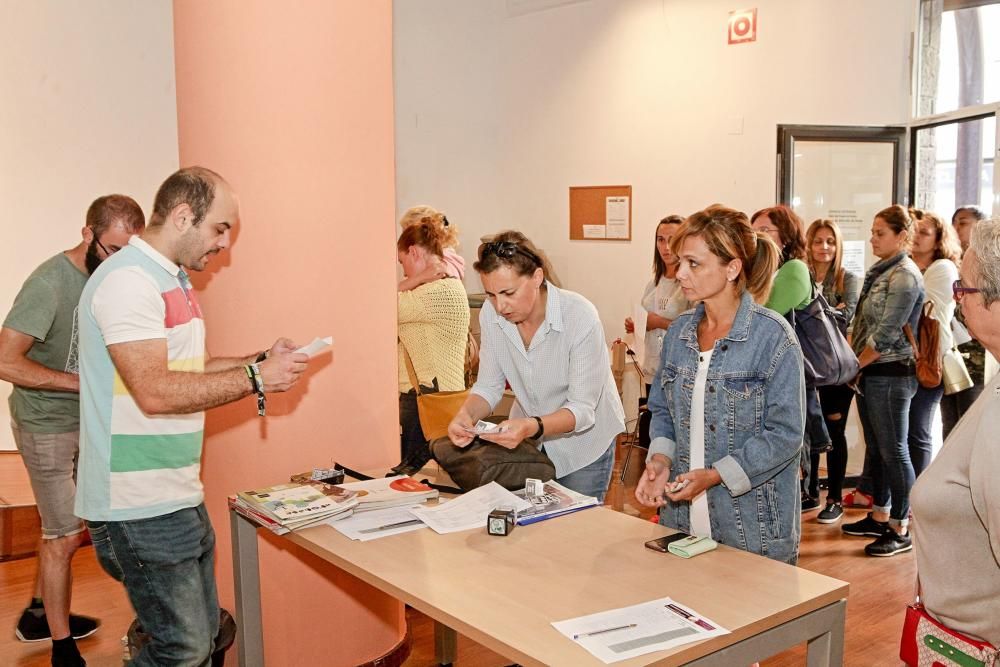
(956, 502)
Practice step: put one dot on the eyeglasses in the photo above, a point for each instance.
(107, 253)
(506, 250)
(959, 290)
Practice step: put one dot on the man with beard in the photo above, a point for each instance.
(38, 355)
(145, 382)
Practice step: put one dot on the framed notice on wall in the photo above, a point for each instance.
(600, 212)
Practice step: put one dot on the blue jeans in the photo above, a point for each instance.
(167, 566)
(885, 417)
(921, 439)
(592, 479)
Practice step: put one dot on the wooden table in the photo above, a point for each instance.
(503, 592)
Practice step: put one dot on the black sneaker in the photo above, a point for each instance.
(867, 527)
(34, 627)
(809, 503)
(889, 543)
(832, 513)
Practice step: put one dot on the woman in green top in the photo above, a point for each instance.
(793, 289)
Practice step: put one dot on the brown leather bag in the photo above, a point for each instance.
(435, 410)
(928, 350)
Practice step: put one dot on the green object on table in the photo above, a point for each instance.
(690, 547)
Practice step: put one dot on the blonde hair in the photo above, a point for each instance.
(728, 235)
(424, 213)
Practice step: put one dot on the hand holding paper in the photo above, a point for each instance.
(316, 346)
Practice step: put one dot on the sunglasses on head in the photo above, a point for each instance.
(506, 250)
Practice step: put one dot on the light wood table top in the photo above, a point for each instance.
(504, 592)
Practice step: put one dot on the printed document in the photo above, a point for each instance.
(628, 632)
(469, 510)
(378, 523)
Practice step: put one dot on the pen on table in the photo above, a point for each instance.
(601, 632)
(400, 524)
(390, 526)
(689, 617)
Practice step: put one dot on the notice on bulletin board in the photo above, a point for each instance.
(595, 231)
(616, 217)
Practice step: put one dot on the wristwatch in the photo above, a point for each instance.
(541, 428)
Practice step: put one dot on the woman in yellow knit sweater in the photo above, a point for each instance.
(433, 326)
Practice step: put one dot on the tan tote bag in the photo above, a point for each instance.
(436, 410)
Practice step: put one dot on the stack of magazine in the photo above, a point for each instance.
(556, 500)
(285, 507)
(382, 492)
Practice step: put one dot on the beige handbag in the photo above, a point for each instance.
(954, 373)
(436, 410)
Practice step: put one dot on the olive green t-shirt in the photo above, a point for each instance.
(45, 309)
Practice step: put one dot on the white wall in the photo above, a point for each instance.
(88, 109)
(497, 115)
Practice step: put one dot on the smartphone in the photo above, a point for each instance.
(661, 543)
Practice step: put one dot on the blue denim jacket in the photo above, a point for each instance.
(754, 422)
(893, 295)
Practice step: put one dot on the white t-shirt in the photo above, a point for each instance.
(700, 524)
(666, 300)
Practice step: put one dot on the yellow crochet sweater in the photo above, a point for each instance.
(434, 325)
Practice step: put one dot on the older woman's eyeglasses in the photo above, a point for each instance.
(506, 250)
(959, 290)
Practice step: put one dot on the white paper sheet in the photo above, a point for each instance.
(378, 523)
(595, 232)
(639, 317)
(318, 345)
(854, 258)
(616, 217)
(469, 510)
(620, 634)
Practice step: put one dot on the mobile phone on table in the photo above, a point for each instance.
(661, 543)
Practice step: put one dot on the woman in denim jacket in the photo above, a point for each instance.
(891, 297)
(728, 403)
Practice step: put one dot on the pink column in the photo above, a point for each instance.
(292, 103)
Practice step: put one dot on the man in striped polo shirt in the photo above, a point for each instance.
(145, 381)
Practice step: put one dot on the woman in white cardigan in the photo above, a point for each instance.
(936, 253)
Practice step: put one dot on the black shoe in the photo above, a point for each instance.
(403, 469)
(831, 514)
(66, 654)
(889, 543)
(34, 627)
(867, 527)
(809, 503)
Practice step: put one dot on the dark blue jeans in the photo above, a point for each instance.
(921, 439)
(885, 418)
(412, 443)
(167, 566)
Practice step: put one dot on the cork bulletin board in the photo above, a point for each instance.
(600, 213)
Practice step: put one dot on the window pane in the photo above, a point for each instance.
(955, 166)
(959, 57)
